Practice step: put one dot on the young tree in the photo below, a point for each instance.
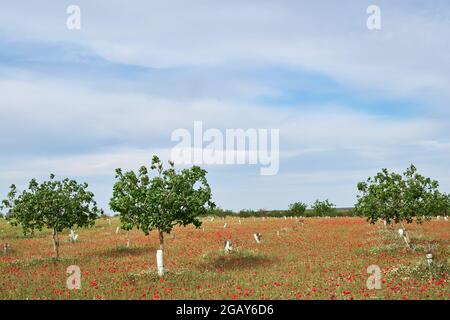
(161, 202)
(297, 208)
(394, 197)
(53, 204)
(322, 208)
(444, 204)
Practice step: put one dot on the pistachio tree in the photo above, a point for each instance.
(52, 204)
(398, 198)
(163, 200)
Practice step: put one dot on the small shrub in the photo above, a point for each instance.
(323, 208)
(297, 208)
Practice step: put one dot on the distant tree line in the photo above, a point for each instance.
(318, 212)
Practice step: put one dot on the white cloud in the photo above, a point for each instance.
(79, 165)
(406, 58)
(50, 110)
(51, 122)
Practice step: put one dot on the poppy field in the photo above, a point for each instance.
(309, 258)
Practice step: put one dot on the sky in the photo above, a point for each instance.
(348, 101)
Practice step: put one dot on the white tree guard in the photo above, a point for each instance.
(257, 237)
(73, 236)
(429, 257)
(228, 246)
(160, 262)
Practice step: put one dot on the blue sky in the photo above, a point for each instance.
(348, 101)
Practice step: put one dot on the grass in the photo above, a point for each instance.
(321, 259)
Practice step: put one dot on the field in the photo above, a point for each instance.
(313, 258)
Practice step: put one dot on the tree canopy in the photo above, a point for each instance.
(162, 201)
(298, 208)
(400, 197)
(52, 204)
(323, 208)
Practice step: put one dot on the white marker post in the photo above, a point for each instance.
(227, 246)
(73, 237)
(160, 262)
(5, 248)
(406, 241)
(429, 256)
(402, 234)
(257, 237)
(225, 225)
(117, 230)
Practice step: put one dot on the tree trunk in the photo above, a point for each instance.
(161, 240)
(56, 243)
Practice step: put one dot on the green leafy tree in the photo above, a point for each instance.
(394, 197)
(323, 208)
(53, 204)
(444, 204)
(163, 201)
(297, 208)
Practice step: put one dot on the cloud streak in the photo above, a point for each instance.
(347, 101)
